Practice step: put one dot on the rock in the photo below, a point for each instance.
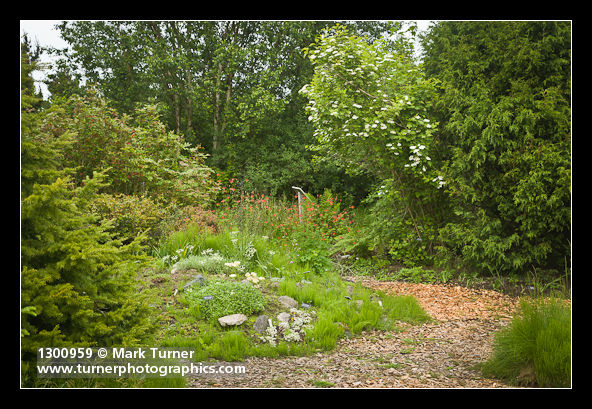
(198, 279)
(283, 317)
(231, 320)
(288, 302)
(261, 324)
(359, 303)
(305, 305)
(350, 290)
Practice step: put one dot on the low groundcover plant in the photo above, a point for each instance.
(220, 297)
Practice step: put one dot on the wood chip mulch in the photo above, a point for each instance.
(442, 354)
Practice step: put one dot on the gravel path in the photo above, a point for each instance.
(441, 354)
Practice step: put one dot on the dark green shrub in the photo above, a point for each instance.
(505, 122)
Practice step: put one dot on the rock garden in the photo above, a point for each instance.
(233, 295)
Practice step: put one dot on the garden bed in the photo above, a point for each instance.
(445, 353)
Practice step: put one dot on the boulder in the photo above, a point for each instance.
(232, 320)
(288, 302)
(261, 324)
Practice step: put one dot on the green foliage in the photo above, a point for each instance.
(77, 284)
(130, 215)
(228, 298)
(31, 99)
(505, 115)
(311, 251)
(337, 303)
(211, 263)
(416, 275)
(536, 347)
(137, 154)
(370, 106)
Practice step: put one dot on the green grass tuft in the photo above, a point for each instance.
(535, 350)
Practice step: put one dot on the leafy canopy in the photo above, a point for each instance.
(369, 106)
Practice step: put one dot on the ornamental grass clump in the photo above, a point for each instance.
(535, 350)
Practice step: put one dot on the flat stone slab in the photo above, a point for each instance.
(231, 320)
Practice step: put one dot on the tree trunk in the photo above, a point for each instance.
(407, 207)
(228, 89)
(216, 137)
(170, 85)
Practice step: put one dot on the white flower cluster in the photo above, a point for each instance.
(292, 330)
(382, 191)
(168, 258)
(441, 181)
(210, 257)
(207, 252)
(271, 332)
(250, 251)
(253, 278)
(235, 264)
(180, 254)
(415, 157)
(391, 147)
